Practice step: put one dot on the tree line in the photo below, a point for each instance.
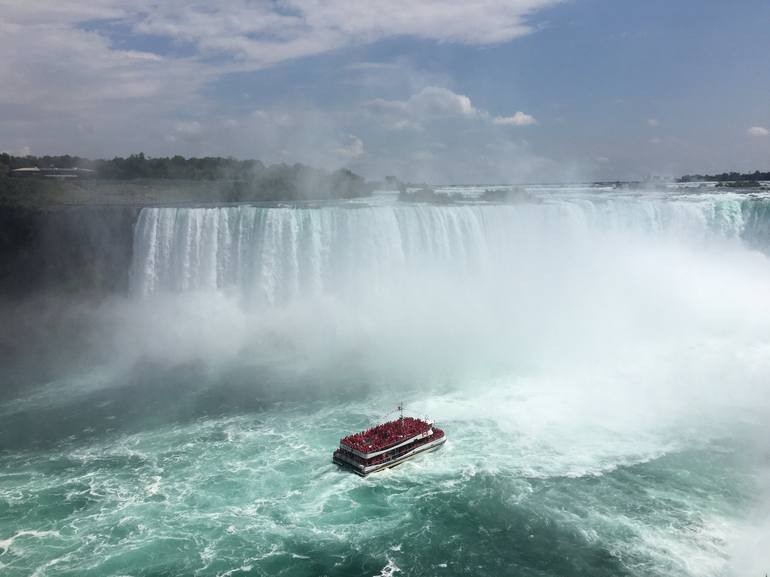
(245, 179)
(727, 177)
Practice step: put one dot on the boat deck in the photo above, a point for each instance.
(389, 458)
(386, 435)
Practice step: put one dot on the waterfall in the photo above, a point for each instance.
(276, 254)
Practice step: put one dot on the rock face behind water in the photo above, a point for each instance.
(76, 249)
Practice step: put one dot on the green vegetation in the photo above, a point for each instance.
(144, 180)
(750, 177)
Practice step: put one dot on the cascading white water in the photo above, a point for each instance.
(558, 280)
(275, 255)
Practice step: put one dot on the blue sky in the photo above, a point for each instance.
(478, 91)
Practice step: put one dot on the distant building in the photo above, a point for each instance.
(34, 171)
(53, 172)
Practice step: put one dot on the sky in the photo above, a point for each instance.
(478, 91)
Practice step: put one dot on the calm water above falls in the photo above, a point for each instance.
(600, 363)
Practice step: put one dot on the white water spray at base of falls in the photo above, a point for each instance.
(551, 283)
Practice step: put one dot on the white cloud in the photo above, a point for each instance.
(189, 128)
(654, 122)
(275, 133)
(450, 140)
(518, 119)
(758, 131)
(262, 33)
(366, 66)
(190, 131)
(69, 90)
(61, 12)
(435, 103)
(68, 71)
(430, 102)
(353, 147)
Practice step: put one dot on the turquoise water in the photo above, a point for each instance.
(600, 370)
(254, 493)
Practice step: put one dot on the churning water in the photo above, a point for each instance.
(600, 362)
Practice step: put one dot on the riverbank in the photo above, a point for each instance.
(35, 193)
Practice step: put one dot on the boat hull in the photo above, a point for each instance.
(363, 471)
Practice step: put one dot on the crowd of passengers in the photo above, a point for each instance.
(392, 454)
(386, 434)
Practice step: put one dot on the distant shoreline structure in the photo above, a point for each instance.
(52, 172)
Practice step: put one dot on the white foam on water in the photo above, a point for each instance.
(6, 544)
(390, 569)
(154, 487)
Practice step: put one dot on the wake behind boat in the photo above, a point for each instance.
(387, 445)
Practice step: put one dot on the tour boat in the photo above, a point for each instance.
(387, 445)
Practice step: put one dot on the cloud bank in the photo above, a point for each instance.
(434, 102)
(758, 131)
(262, 33)
(111, 77)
